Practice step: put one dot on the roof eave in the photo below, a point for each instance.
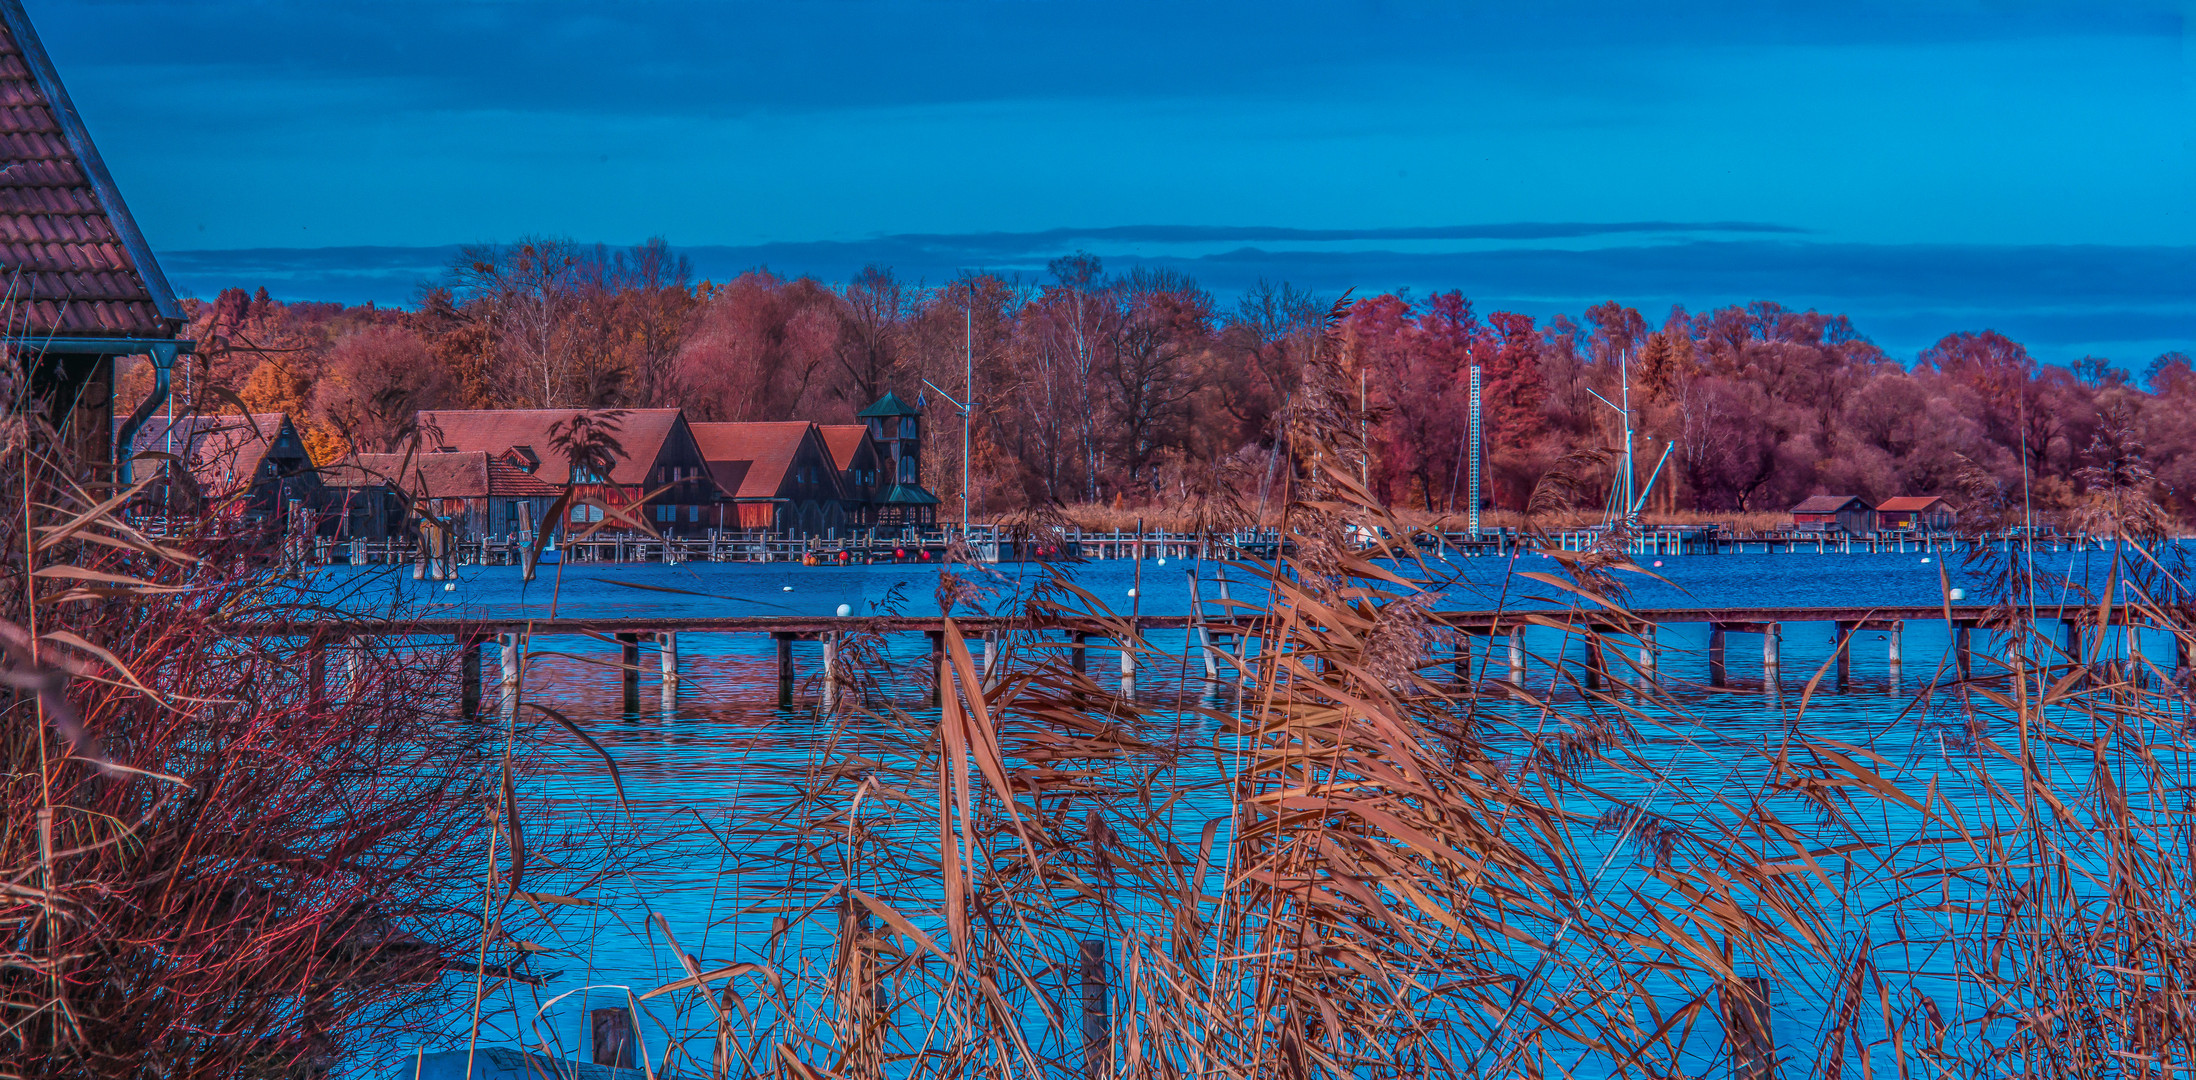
(95, 169)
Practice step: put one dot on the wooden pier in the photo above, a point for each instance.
(1210, 637)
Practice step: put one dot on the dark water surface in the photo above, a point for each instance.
(720, 746)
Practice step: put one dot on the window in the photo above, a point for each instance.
(907, 428)
(694, 513)
(907, 469)
(666, 512)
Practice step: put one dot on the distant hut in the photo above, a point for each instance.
(661, 464)
(776, 475)
(258, 460)
(1833, 513)
(373, 496)
(1916, 513)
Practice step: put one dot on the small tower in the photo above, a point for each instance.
(895, 432)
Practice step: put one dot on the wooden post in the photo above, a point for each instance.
(1463, 659)
(1963, 655)
(937, 667)
(468, 676)
(831, 669)
(991, 647)
(1841, 644)
(1747, 1033)
(510, 655)
(667, 659)
(785, 669)
(1772, 642)
(1128, 663)
(1517, 656)
(614, 1043)
(1593, 661)
(629, 658)
(1097, 1045)
(1649, 652)
(1076, 652)
(1716, 675)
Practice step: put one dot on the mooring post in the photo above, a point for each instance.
(355, 661)
(991, 650)
(1075, 652)
(510, 650)
(1747, 1035)
(1517, 656)
(1463, 659)
(937, 667)
(1841, 646)
(613, 1036)
(785, 668)
(831, 669)
(1649, 651)
(629, 662)
(1593, 660)
(1716, 675)
(1963, 654)
(1128, 662)
(1097, 1046)
(468, 676)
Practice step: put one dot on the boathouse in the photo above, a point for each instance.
(1916, 513)
(777, 475)
(1833, 513)
(895, 429)
(256, 460)
(376, 496)
(660, 464)
(85, 291)
(854, 453)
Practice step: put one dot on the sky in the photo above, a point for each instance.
(1924, 167)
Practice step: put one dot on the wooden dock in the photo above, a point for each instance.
(1212, 638)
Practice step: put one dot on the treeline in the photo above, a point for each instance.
(1136, 389)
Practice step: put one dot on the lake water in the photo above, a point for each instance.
(720, 748)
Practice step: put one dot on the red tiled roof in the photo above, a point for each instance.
(508, 481)
(224, 453)
(427, 476)
(1907, 503)
(69, 249)
(641, 433)
(845, 440)
(1825, 504)
(749, 461)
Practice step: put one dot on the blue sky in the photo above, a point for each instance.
(1924, 167)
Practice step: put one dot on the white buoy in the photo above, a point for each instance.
(1132, 592)
(1658, 562)
(845, 610)
(1959, 594)
(789, 588)
(1925, 559)
(1162, 560)
(451, 587)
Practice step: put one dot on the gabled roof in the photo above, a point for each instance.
(1829, 504)
(1911, 503)
(912, 494)
(889, 405)
(426, 476)
(508, 481)
(750, 461)
(224, 453)
(844, 441)
(69, 248)
(641, 433)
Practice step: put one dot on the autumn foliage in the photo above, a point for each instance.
(1137, 389)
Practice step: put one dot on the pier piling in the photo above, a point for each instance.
(1649, 653)
(1593, 661)
(629, 659)
(468, 676)
(1716, 675)
(1841, 646)
(1963, 653)
(1097, 1044)
(831, 670)
(509, 651)
(937, 667)
(1517, 656)
(613, 1036)
(667, 660)
(785, 669)
(1076, 653)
